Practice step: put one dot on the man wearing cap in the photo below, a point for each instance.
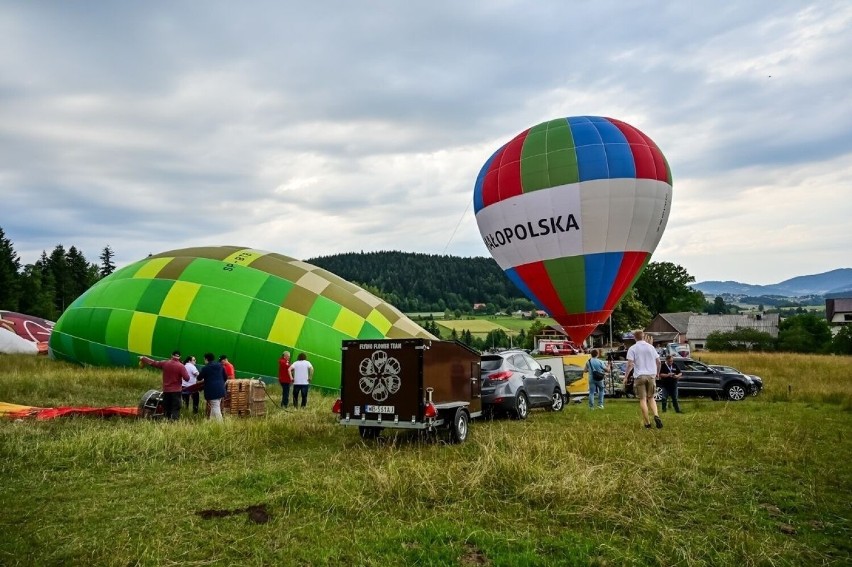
(174, 372)
(284, 377)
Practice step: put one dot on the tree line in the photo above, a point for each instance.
(48, 286)
(417, 283)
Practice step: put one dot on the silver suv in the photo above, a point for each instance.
(513, 382)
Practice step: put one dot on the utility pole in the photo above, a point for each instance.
(610, 331)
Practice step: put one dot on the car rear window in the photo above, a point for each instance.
(491, 363)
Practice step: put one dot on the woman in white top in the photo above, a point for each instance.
(189, 362)
(302, 372)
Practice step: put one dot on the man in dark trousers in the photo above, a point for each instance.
(173, 373)
(284, 377)
(669, 375)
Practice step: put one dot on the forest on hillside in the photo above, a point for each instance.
(417, 283)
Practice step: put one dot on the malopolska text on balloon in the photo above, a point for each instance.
(530, 229)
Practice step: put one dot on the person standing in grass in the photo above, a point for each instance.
(669, 375)
(189, 362)
(302, 373)
(212, 376)
(174, 373)
(284, 377)
(597, 371)
(644, 360)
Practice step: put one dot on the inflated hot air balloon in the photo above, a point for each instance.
(572, 209)
(248, 304)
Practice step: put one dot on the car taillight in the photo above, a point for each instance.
(337, 405)
(499, 376)
(430, 411)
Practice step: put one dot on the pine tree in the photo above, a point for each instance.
(10, 279)
(107, 265)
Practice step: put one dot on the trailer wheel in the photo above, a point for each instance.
(460, 426)
(522, 406)
(369, 432)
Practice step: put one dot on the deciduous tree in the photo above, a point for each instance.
(663, 288)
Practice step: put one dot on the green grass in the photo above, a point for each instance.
(716, 486)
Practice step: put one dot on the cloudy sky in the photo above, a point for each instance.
(312, 128)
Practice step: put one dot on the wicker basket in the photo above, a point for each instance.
(245, 398)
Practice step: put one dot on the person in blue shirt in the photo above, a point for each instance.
(212, 375)
(596, 369)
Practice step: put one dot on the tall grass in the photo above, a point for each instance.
(715, 486)
(794, 377)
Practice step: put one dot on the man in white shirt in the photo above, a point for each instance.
(302, 373)
(645, 362)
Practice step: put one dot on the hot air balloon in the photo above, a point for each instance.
(248, 304)
(572, 209)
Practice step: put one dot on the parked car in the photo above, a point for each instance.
(514, 382)
(700, 379)
(758, 381)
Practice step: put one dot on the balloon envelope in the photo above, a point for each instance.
(20, 333)
(572, 209)
(248, 304)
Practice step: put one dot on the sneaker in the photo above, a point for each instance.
(647, 426)
(658, 421)
(600, 407)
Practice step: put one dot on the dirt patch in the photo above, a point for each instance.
(473, 556)
(257, 513)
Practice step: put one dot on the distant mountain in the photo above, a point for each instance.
(833, 282)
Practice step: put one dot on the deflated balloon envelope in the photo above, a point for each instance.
(248, 304)
(572, 209)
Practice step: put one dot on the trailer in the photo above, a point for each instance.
(414, 384)
(570, 371)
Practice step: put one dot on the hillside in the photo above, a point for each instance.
(834, 281)
(426, 282)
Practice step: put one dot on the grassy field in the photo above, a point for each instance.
(761, 482)
(483, 325)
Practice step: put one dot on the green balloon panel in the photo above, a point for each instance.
(249, 304)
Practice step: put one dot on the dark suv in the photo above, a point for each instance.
(514, 382)
(700, 380)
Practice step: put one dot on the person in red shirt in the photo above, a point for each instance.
(284, 377)
(230, 373)
(174, 372)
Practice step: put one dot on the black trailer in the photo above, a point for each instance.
(416, 384)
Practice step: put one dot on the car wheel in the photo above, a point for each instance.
(369, 432)
(735, 392)
(557, 402)
(522, 406)
(459, 426)
(658, 394)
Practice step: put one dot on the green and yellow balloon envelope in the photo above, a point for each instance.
(248, 304)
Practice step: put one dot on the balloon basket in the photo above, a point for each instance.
(245, 398)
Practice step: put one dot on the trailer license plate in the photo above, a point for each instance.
(378, 409)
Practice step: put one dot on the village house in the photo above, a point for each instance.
(700, 326)
(838, 312)
(669, 328)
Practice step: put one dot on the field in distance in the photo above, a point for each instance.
(483, 325)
